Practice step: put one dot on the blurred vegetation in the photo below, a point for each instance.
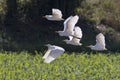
(100, 10)
(22, 25)
(107, 13)
(75, 66)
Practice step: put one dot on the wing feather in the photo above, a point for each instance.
(57, 13)
(65, 22)
(77, 33)
(71, 23)
(100, 39)
(53, 54)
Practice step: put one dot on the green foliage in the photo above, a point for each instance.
(2, 11)
(105, 12)
(76, 66)
(97, 10)
(24, 28)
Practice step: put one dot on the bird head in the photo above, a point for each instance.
(66, 40)
(44, 16)
(80, 44)
(59, 32)
(90, 46)
(48, 45)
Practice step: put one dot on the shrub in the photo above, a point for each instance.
(97, 10)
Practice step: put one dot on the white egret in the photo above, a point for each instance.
(56, 15)
(74, 40)
(69, 25)
(100, 43)
(52, 53)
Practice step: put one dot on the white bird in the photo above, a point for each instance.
(56, 15)
(52, 53)
(74, 40)
(69, 25)
(100, 43)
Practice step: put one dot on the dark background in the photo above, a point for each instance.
(23, 28)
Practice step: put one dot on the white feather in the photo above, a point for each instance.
(77, 33)
(100, 43)
(69, 25)
(56, 15)
(65, 22)
(52, 53)
(74, 40)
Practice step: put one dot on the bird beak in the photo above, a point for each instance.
(45, 45)
(43, 16)
(56, 31)
(63, 40)
(88, 46)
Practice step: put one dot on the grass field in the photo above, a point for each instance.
(74, 66)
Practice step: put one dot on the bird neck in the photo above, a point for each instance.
(92, 47)
(61, 33)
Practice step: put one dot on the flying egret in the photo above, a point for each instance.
(100, 43)
(69, 25)
(56, 15)
(52, 53)
(73, 40)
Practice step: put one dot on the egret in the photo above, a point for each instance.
(73, 40)
(52, 53)
(69, 25)
(100, 43)
(56, 15)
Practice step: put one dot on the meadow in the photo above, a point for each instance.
(74, 66)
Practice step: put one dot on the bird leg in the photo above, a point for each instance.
(75, 36)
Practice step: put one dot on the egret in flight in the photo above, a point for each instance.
(52, 53)
(73, 40)
(69, 25)
(56, 15)
(100, 43)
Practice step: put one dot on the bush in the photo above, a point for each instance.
(97, 10)
(2, 10)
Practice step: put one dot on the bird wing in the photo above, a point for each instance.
(56, 52)
(46, 54)
(65, 22)
(71, 23)
(77, 33)
(100, 39)
(57, 13)
(53, 55)
(98, 46)
(50, 47)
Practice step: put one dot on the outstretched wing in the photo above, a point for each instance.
(65, 22)
(100, 39)
(57, 13)
(46, 54)
(77, 33)
(50, 47)
(71, 23)
(53, 55)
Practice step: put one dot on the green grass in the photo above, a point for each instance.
(75, 66)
